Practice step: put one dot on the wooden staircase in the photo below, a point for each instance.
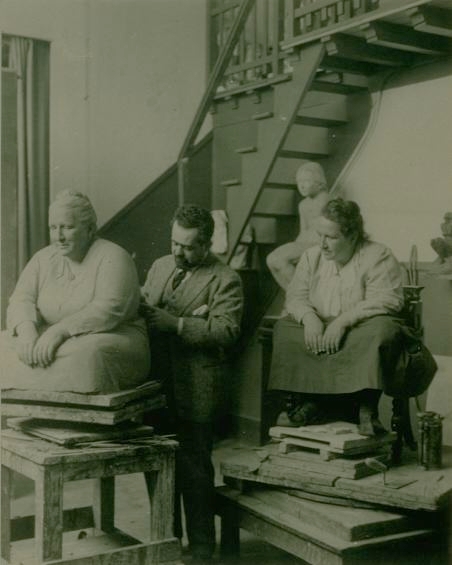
(316, 106)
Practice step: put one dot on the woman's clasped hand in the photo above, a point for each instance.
(322, 338)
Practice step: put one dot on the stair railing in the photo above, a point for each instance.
(257, 56)
(206, 101)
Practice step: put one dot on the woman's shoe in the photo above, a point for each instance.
(304, 415)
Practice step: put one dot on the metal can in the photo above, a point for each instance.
(430, 440)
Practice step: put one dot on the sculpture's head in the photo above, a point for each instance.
(72, 224)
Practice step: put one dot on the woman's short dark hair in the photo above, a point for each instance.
(193, 216)
(347, 214)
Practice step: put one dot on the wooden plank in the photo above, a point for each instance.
(111, 400)
(103, 550)
(304, 530)
(24, 456)
(94, 415)
(73, 519)
(428, 491)
(104, 504)
(356, 470)
(343, 437)
(161, 496)
(70, 434)
(347, 523)
(49, 514)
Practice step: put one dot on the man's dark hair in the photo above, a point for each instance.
(193, 216)
(347, 214)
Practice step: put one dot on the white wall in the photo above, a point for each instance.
(402, 178)
(126, 79)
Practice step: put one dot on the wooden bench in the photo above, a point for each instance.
(51, 465)
(328, 537)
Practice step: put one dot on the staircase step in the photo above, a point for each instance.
(318, 122)
(231, 182)
(336, 87)
(281, 185)
(277, 202)
(265, 229)
(325, 105)
(307, 139)
(249, 149)
(405, 38)
(290, 154)
(357, 49)
(262, 116)
(341, 65)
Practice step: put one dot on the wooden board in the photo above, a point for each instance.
(353, 468)
(327, 439)
(114, 399)
(311, 543)
(426, 490)
(346, 523)
(94, 414)
(70, 434)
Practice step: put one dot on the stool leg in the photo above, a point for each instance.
(104, 504)
(6, 513)
(49, 514)
(160, 486)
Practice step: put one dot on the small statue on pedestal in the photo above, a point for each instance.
(443, 247)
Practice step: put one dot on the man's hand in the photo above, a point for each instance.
(160, 320)
(313, 332)
(47, 345)
(333, 335)
(27, 334)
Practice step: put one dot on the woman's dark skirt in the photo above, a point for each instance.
(366, 360)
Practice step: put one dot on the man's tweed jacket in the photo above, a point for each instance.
(194, 363)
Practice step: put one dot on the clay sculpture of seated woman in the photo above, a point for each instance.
(312, 186)
(341, 341)
(73, 322)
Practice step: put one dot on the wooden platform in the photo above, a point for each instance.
(112, 400)
(407, 486)
(75, 434)
(345, 536)
(103, 409)
(329, 440)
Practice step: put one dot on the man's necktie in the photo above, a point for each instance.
(178, 278)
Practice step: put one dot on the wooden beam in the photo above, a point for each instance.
(405, 39)
(356, 49)
(430, 19)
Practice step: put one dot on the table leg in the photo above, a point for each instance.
(160, 485)
(104, 504)
(49, 514)
(6, 513)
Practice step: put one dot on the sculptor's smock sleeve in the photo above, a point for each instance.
(115, 297)
(382, 287)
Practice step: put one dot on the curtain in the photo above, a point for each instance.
(30, 60)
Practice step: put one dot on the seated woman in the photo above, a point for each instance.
(73, 321)
(342, 335)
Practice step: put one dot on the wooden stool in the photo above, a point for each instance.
(50, 465)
